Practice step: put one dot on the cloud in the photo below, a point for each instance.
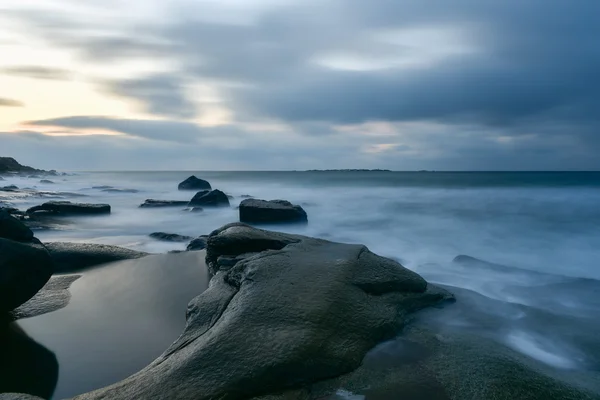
(4, 102)
(162, 94)
(37, 72)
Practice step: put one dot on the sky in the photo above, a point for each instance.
(300, 84)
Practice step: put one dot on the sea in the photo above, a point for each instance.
(536, 233)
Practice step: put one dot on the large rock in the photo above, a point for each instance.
(271, 212)
(291, 315)
(193, 183)
(68, 208)
(209, 198)
(151, 203)
(69, 257)
(24, 270)
(13, 229)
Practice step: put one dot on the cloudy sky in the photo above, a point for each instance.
(301, 84)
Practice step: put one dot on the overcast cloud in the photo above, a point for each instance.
(399, 84)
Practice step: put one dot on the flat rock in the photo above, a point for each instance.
(193, 183)
(70, 257)
(68, 208)
(169, 237)
(24, 270)
(151, 203)
(53, 296)
(210, 198)
(13, 229)
(271, 212)
(286, 317)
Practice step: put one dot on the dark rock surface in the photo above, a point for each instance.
(151, 203)
(70, 257)
(193, 183)
(114, 190)
(169, 237)
(270, 212)
(68, 208)
(210, 198)
(286, 317)
(53, 296)
(13, 229)
(24, 270)
(9, 188)
(197, 244)
(46, 181)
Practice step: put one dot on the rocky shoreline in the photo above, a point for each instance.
(285, 316)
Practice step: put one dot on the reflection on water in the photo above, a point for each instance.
(121, 317)
(25, 365)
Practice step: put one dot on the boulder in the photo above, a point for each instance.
(24, 270)
(169, 237)
(286, 317)
(9, 188)
(197, 244)
(69, 257)
(13, 229)
(271, 212)
(68, 208)
(151, 203)
(209, 198)
(193, 183)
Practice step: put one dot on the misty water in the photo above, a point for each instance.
(539, 232)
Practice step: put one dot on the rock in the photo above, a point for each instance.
(53, 296)
(46, 181)
(24, 270)
(113, 190)
(1, 178)
(271, 212)
(13, 229)
(193, 183)
(246, 196)
(210, 198)
(283, 318)
(10, 165)
(197, 244)
(169, 237)
(18, 396)
(10, 188)
(151, 203)
(197, 209)
(69, 257)
(68, 208)
(102, 187)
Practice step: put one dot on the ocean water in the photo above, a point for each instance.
(540, 232)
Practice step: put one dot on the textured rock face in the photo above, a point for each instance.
(68, 208)
(210, 198)
(271, 212)
(24, 270)
(69, 257)
(151, 203)
(193, 183)
(287, 316)
(13, 229)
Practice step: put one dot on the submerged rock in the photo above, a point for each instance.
(68, 208)
(13, 229)
(69, 257)
(169, 237)
(24, 270)
(270, 212)
(151, 203)
(210, 198)
(289, 316)
(193, 183)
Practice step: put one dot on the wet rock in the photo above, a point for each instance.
(113, 190)
(24, 270)
(271, 212)
(197, 244)
(70, 257)
(52, 297)
(13, 229)
(102, 187)
(193, 183)
(68, 208)
(209, 198)
(151, 203)
(9, 188)
(169, 237)
(286, 317)
(46, 181)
